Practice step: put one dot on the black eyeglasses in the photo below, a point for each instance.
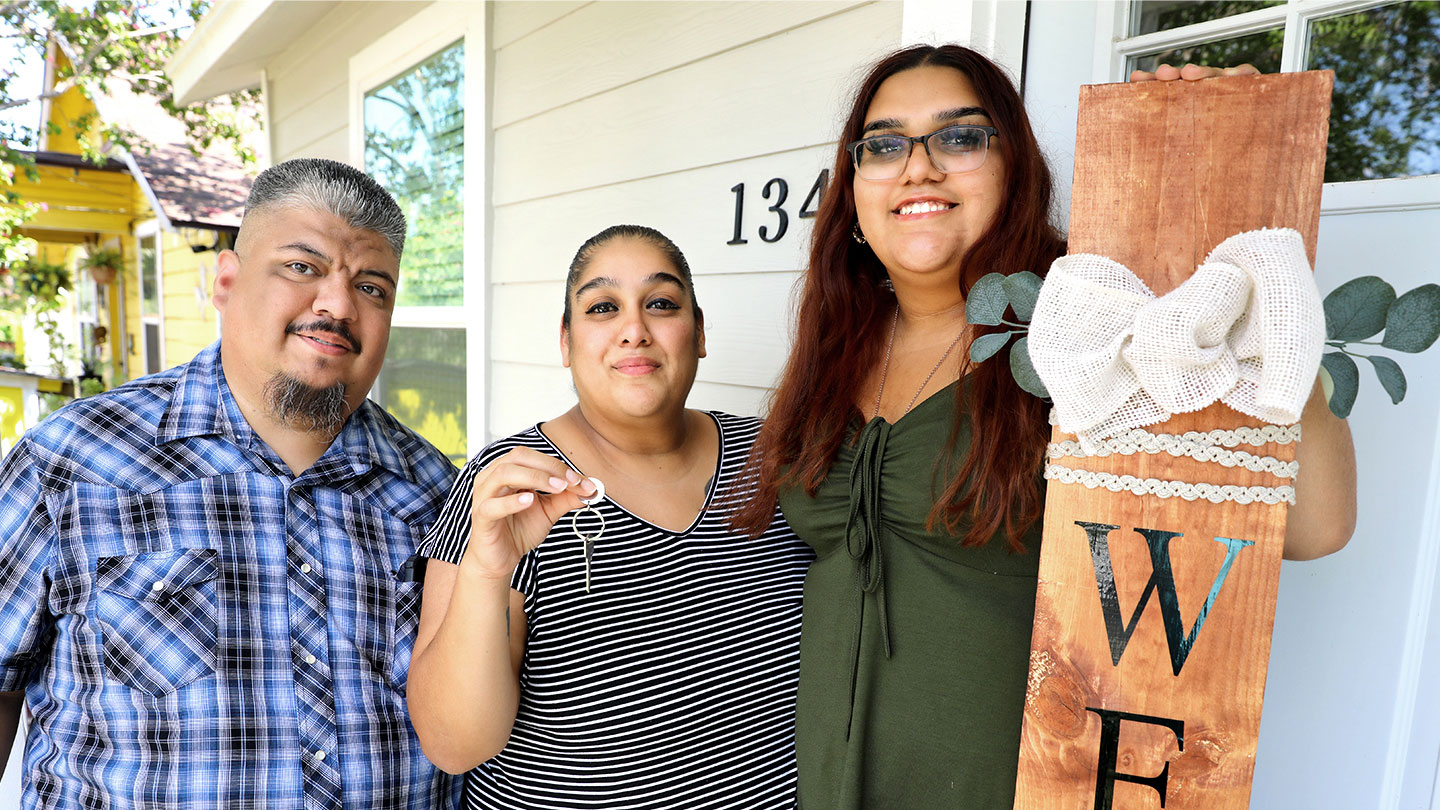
(954, 149)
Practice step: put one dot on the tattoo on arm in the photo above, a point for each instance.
(507, 621)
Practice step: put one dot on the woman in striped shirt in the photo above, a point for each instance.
(657, 667)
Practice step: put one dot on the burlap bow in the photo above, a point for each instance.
(1246, 329)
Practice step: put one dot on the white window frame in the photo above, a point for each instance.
(150, 229)
(430, 31)
(1113, 49)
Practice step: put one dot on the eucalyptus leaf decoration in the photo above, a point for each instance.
(986, 305)
(1357, 311)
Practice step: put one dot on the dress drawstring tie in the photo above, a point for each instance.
(863, 541)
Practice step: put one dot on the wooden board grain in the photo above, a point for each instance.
(1164, 172)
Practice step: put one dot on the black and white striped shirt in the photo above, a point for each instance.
(672, 683)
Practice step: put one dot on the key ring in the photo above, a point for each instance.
(575, 523)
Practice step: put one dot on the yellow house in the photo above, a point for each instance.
(164, 210)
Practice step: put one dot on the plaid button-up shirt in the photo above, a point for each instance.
(195, 627)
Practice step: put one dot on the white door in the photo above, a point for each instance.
(1352, 717)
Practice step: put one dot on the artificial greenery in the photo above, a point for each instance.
(1359, 310)
(986, 305)
(1354, 312)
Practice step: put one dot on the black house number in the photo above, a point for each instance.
(776, 191)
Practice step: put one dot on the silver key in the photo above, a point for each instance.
(589, 552)
(589, 539)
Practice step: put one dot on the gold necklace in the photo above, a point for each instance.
(885, 368)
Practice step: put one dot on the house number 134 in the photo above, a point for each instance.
(778, 189)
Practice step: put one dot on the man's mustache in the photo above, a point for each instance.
(323, 325)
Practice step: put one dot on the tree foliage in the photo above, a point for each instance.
(1386, 108)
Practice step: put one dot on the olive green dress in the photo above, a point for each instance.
(914, 651)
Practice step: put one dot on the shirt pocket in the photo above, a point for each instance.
(157, 616)
(375, 602)
(386, 622)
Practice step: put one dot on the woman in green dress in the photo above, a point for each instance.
(914, 474)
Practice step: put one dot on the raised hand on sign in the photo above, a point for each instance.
(1191, 73)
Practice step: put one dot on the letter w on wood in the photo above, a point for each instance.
(1162, 579)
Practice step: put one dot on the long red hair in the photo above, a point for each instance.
(844, 312)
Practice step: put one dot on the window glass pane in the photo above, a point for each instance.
(84, 293)
(1385, 114)
(1261, 50)
(149, 279)
(152, 348)
(423, 384)
(414, 146)
(1162, 15)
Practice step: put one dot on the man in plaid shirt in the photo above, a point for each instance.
(204, 593)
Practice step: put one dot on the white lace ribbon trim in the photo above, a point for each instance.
(1253, 436)
(1214, 493)
(1196, 445)
(1247, 329)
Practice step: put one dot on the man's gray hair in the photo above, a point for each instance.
(333, 187)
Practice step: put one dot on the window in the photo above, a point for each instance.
(1385, 114)
(152, 307)
(89, 306)
(414, 139)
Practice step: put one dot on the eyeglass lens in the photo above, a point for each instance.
(952, 150)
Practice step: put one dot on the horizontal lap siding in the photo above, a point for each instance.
(649, 113)
(612, 44)
(309, 83)
(517, 18)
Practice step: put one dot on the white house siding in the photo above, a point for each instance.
(309, 82)
(649, 113)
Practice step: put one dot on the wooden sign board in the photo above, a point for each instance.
(1146, 684)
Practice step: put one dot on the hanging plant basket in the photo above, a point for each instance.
(103, 264)
(41, 282)
(103, 274)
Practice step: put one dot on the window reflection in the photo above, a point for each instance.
(1385, 114)
(424, 385)
(149, 279)
(415, 148)
(1163, 15)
